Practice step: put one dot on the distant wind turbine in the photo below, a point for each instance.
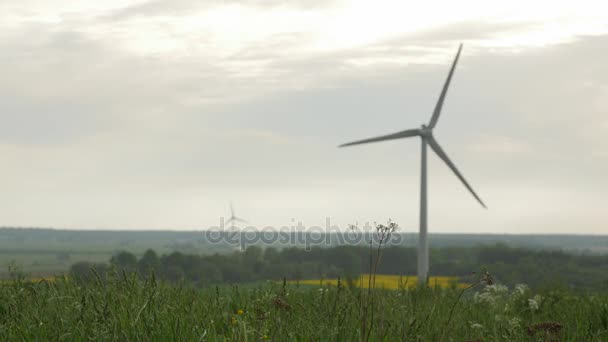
(233, 218)
(426, 135)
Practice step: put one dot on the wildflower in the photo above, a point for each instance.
(534, 303)
(476, 326)
(484, 298)
(514, 323)
(491, 294)
(240, 312)
(233, 321)
(520, 289)
(497, 289)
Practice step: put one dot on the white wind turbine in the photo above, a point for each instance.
(233, 219)
(426, 135)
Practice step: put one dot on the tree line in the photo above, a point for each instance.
(538, 268)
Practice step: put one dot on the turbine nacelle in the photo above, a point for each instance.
(426, 131)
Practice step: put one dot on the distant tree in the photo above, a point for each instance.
(124, 261)
(509, 265)
(212, 274)
(173, 272)
(85, 272)
(271, 255)
(148, 263)
(253, 259)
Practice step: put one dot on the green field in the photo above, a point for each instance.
(125, 308)
(48, 251)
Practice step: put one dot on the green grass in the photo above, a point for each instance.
(125, 308)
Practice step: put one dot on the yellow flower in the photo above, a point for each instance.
(233, 321)
(240, 312)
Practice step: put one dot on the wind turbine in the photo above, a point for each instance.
(234, 218)
(426, 135)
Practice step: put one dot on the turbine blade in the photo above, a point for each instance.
(435, 146)
(403, 134)
(444, 91)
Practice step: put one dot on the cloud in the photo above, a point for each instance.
(99, 126)
(164, 8)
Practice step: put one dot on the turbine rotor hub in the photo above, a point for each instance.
(426, 131)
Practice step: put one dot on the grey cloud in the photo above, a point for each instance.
(281, 67)
(467, 30)
(173, 134)
(535, 99)
(62, 85)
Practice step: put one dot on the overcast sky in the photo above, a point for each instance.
(154, 114)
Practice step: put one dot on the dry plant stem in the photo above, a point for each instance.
(369, 300)
(384, 233)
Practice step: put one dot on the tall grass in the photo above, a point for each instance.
(123, 307)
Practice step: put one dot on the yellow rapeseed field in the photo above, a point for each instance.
(50, 279)
(388, 282)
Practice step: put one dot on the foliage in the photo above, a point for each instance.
(509, 265)
(43, 252)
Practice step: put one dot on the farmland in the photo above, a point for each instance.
(386, 282)
(46, 252)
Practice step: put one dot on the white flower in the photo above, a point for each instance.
(514, 323)
(520, 289)
(484, 298)
(490, 294)
(476, 326)
(534, 303)
(496, 288)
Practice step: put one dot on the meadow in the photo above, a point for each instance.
(125, 307)
(193, 297)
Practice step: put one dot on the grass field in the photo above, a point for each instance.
(125, 308)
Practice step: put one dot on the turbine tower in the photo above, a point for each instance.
(233, 218)
(426, 135)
